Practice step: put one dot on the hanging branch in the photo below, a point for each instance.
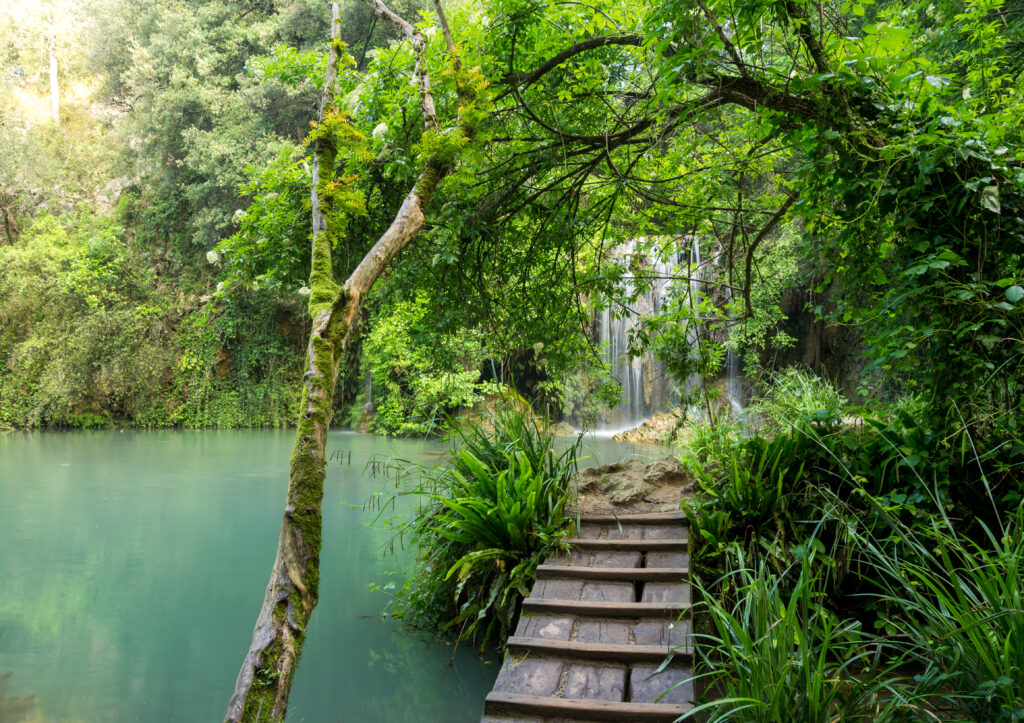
(265, 679)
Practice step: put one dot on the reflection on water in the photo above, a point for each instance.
(134, 564)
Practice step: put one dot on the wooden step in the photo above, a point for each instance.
(597, 651)
(643, 518)
(577, 708)
(605, 609)
(647, 574)
(630, 545)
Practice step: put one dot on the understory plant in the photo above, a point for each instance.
(774, 652)
(485, 520)
(837, 546)
(956, 607)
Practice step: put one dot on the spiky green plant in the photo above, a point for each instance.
(487, 519)
(776, 653)
(959, 606)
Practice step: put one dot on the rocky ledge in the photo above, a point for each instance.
(634, 486)
(658, 429)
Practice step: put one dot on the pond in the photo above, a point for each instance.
(133, 564)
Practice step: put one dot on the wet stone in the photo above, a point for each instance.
(645, 685)
(617, 559)
(664, 532)
(602, 631)
(676, 592)
(667, 559)
(529, 676)
(545, 627)
(624, 532)
(662, 632)
(596, 682)
(557, 589)
(577, 558)
(609, 592)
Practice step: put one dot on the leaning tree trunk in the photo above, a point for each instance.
(265, 679)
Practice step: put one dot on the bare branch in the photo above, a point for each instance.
(419, 44)
(524, 79)
(802, 25)
(726, 42)
(761, 235)
(446, 30)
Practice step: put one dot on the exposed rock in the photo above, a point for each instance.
(658, 429)
(562, 429)
(633, 484)
(665, 471)
(619, 482)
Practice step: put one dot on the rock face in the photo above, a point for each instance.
(633, 483)
(620, 482)
(659, 429)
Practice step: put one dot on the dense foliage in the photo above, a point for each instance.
(487, 519)
(892, 548)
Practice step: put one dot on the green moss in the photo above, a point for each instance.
(428, 182)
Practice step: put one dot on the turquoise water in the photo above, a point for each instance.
(133, 565)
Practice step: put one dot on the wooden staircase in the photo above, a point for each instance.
(599, 624)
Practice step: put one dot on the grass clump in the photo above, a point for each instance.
(860, 564)
(775, 653)
(486, 519)
(956, 608)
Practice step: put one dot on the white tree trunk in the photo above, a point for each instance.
(54, 83)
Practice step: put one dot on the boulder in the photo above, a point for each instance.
(658, 429)
(630, 481)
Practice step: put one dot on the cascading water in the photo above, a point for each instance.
(734, 384)
(646, 386)
(734, 392)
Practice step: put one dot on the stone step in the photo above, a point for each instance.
(605, 609)
(582, 709)
(642, 518)
(631, 532)
(596, 651)
(605, 634)
(661, 632)
(666, 574)
(676, 545)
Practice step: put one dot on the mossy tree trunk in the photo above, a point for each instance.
(265, 679)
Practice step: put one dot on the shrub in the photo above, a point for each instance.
(959, 608)
(487, 519)
(419, 375)
(777, 654)
(797, 398)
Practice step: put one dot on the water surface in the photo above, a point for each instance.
(133, 565)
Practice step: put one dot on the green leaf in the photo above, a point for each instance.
(990, 199)
(1014, 294)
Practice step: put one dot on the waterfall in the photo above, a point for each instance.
(734, 393)
(734, 384)
(368, 403)
(646, 387)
